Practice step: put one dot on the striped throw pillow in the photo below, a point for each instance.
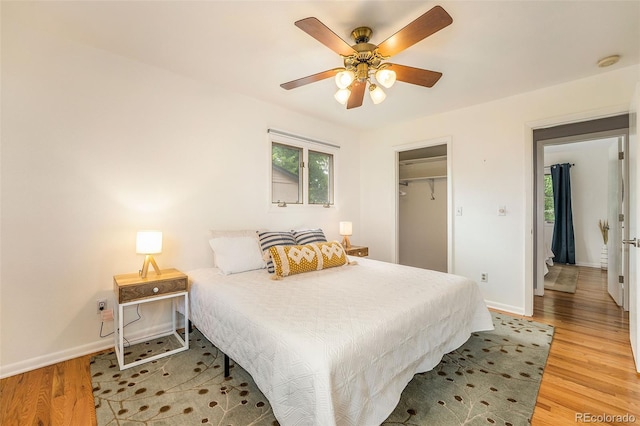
(308, 236)
(269, 239)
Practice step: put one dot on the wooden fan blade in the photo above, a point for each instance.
(432, 21)
(324, 35)
(357, 94)
(413, 75)
(311, 78)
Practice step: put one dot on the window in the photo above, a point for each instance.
(301, 172)
(549, 210)
(320, 178)
(286, 174)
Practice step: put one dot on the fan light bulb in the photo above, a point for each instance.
(386, 77)
(376, 93)
(342, 95)
(344, 79)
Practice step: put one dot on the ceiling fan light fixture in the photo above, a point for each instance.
(342, 95)
(363, 61)
(386, 77)
(344, 78)
(377, 94)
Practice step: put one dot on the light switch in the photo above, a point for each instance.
(458, 211)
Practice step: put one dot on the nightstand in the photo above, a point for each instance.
(132, 289)
(360, 251)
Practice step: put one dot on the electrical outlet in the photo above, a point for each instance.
(101, 305)
(484, 277)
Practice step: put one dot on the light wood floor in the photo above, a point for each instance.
(590, 368)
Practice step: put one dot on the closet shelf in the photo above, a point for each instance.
(422, 178)
(438, 158)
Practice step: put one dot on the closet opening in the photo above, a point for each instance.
(423, 207)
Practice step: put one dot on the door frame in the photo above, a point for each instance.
(397, 149)
(533, 245)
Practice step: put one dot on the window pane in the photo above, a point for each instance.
(320, 178)
(286, 178)
(549, 212)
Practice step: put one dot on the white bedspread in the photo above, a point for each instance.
(337, 346)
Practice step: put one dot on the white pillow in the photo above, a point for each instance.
(237, 254)
(217, 233)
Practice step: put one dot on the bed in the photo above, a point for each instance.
(548, 253)
(336, 346)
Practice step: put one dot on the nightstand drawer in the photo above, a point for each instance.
(141, 291)
(358, 251)
(131, 287)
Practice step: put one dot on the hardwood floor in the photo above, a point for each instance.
(590, 368)
(59, 394)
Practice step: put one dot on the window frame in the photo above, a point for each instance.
(306, 145)
(331, 177)
(301, 160)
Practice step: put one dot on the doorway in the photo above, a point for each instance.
(600, 192)
(596, 178)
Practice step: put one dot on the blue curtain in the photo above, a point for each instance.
(563, 244)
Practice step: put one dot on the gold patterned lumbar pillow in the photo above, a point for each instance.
(290, 260)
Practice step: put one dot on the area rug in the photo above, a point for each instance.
(492, 379)
(562, 278)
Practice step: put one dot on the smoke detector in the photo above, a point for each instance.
(608, 61)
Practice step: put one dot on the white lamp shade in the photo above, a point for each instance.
(346, 228)
(149, 242)
(342, 95)
(344, 79)
(386, 77)
(377, 94)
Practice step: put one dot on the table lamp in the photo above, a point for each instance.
(149, 243)
(346, 230)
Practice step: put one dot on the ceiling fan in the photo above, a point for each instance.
(363, 59)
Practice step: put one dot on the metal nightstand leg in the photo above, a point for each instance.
(119, 334)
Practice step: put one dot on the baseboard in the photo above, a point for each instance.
(589, 265)
(53, 358)
(67, 354)
(517, 310)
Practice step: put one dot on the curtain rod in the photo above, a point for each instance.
(303, 138)
(548, 167)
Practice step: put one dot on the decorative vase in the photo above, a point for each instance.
(604, 257)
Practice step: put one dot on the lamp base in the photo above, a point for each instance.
(345, 242)
(145, 266)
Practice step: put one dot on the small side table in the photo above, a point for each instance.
(360, 251)
(131, 289)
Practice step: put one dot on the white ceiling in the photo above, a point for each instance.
(492, 50)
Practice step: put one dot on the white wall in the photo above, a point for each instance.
(589, 193)
(96, 147)
(491, 152)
